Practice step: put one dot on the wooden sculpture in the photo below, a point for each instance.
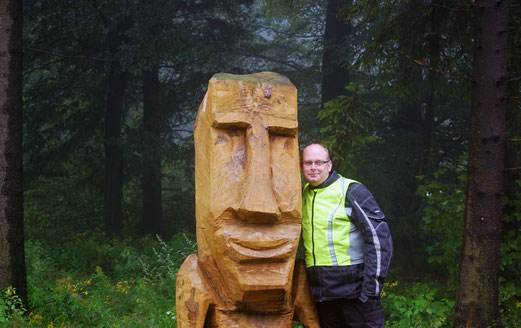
(248, 209)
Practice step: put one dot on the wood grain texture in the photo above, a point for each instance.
(248, 208)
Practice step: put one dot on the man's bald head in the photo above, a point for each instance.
(313, 145)
(316, 164)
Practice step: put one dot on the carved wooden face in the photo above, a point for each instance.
(248, 197)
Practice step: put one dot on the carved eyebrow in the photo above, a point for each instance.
(231, 120)
(274, 124)
(281, 126)
(230, 125)
(284, 131)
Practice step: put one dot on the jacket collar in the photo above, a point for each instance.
(333, 176)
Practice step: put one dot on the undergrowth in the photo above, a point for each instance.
(94, 281)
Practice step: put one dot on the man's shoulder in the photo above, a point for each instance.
(348, 180)
(357, 190)
(358, 193)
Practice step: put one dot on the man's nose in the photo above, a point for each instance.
(258, 204)
(314, 166)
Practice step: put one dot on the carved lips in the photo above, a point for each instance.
(260, 243)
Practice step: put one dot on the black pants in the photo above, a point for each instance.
(350, 314)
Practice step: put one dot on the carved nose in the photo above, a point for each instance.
(258, 204)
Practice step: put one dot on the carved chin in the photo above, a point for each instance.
(260, 286)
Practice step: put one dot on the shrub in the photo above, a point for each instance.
(419, 305)
(11, 307)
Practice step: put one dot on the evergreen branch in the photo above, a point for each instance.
(385, 22)
(260, 28)
(39, 67)
(450, 8)
(71, 57)
(288, 63)
(467, 4)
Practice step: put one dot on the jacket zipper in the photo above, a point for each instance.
(313, 227)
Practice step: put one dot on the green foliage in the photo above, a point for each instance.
(93, 281)
(510, 265)
(131, 283)
(442, 217)
(417, 305)
(443, 220)
(11, 307)
(348, 124)
(64, 203)
(162, 267)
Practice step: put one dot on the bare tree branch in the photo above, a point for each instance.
(434, 69)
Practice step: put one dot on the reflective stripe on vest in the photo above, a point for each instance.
(330, 238)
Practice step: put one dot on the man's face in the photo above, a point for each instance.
(315, 164)
(248, 202)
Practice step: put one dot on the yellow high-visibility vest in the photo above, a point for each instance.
(330, 237)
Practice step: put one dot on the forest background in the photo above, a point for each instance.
(110, 93)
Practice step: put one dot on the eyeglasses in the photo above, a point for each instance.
(317, 163)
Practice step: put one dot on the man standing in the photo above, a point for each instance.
(348, 245)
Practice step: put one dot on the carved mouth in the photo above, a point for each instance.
(243, 254)
(260, 243)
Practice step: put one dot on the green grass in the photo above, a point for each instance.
(93, 281)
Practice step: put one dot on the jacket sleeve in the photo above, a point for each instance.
(378, 245)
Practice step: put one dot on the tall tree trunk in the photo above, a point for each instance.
(12, 255)
(114, 150)
(335, 77)
(477, 298)
(152, 204)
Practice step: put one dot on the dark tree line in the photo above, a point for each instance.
(140, 61)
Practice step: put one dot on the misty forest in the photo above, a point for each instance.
(419, 100)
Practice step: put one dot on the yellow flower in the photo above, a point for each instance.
(35, 319)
